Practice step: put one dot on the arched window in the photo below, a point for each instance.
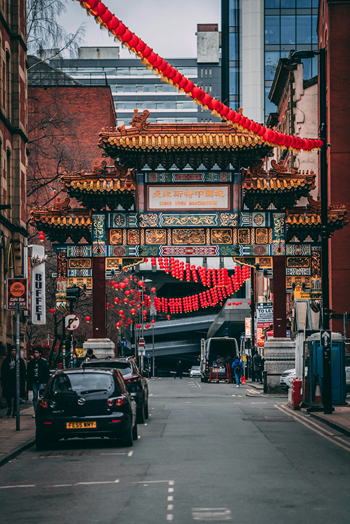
(8, 85)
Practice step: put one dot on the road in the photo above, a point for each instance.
(208, 453)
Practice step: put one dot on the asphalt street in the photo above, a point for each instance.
(209, 452)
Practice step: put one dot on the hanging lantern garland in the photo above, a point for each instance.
(170, 75)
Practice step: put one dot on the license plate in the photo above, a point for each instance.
(81, 425)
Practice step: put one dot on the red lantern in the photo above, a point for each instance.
(52, 311)
(153, 321)
(138, 326)
(87, 319)
(141, 283)
(153, 289)
(168, 317)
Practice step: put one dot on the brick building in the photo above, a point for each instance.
(13, 159)
(334, 36)
(65, 118)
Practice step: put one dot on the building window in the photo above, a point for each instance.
(201, 72)
(210, 72)
(303, 3)
(272, 30)
(304, 29)
(288, 30)
(271, 63)
(8, 85)
(209, 89)
(287, 4)
(233, 55)
(272, 4)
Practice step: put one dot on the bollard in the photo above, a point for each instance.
(265, 381)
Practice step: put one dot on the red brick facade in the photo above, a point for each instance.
(13, 159)
(78, 113)
(334, 35)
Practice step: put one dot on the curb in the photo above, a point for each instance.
(16, 451)
(330, 423)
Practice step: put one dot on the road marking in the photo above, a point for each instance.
(20, 486)
(298, 419)
(94, 483)
(170, 498)
(150, 481)
(169, 516)
(171, 482)
(151, 395)
(258, 402)
(211, 514)
(170, 490)
(145, 424)
(62, 485)
(170, 507)
(130, 453)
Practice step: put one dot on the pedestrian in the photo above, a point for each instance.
(237, 367)
(74, 360)
(178, 370)
(38, 375)
(257, 365)
(90, 355)
(8, 380)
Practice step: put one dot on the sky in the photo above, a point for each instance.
(166, 26)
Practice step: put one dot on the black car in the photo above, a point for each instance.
(85, 403)
(136, 384)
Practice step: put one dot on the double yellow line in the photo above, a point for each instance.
(339, 441)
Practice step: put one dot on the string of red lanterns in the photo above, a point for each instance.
(172, 76)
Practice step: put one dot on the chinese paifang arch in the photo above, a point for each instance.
(170, 75)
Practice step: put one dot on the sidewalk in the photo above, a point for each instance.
(339, 420)
(13, 442)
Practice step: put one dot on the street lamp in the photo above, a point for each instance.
(327, 376)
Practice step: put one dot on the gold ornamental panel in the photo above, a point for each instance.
(221, 236)
(79, 263)
(264, 262)
(82, 282)
(261, 235)
(155, 237)
(116, 236)
(244, 236)
(298, 281)
(133, 237)
(188, 236)
(119, 263)
(298, 261)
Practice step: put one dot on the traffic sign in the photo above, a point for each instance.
(123, 343)
(71, 321)
(148, 356)
(142, 342)
(326, 338)
(141, 352)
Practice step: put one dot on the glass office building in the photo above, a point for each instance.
(263, 30)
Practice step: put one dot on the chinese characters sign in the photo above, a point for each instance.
(189, 198)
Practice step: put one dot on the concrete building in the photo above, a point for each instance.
(13, 160)
(135, 86)
(255, 35)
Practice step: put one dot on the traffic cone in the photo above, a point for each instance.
(318, 397)
(243, 380)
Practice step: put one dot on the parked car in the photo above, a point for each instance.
(136, 384)
(285, 378)
(85, 403)
(195, 371)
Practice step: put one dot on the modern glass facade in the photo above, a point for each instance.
(288, 25)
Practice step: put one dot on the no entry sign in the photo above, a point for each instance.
(17, 293)
(142, 343)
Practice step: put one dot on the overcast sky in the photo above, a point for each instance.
(166, 26)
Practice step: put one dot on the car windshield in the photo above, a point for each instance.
(125, 368)
(81, 383)
(195, 368)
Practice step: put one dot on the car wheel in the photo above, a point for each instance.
(126, 440)
(141, 414)
(146, 411)
(134, 432)
(41, 441)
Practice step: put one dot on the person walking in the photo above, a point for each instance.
(237, 367)
(90, 355)
(257, 365)
(74, 360)
(8, 380)
(38, 375)
(178, 370)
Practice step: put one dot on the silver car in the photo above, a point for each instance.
(195, 371)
